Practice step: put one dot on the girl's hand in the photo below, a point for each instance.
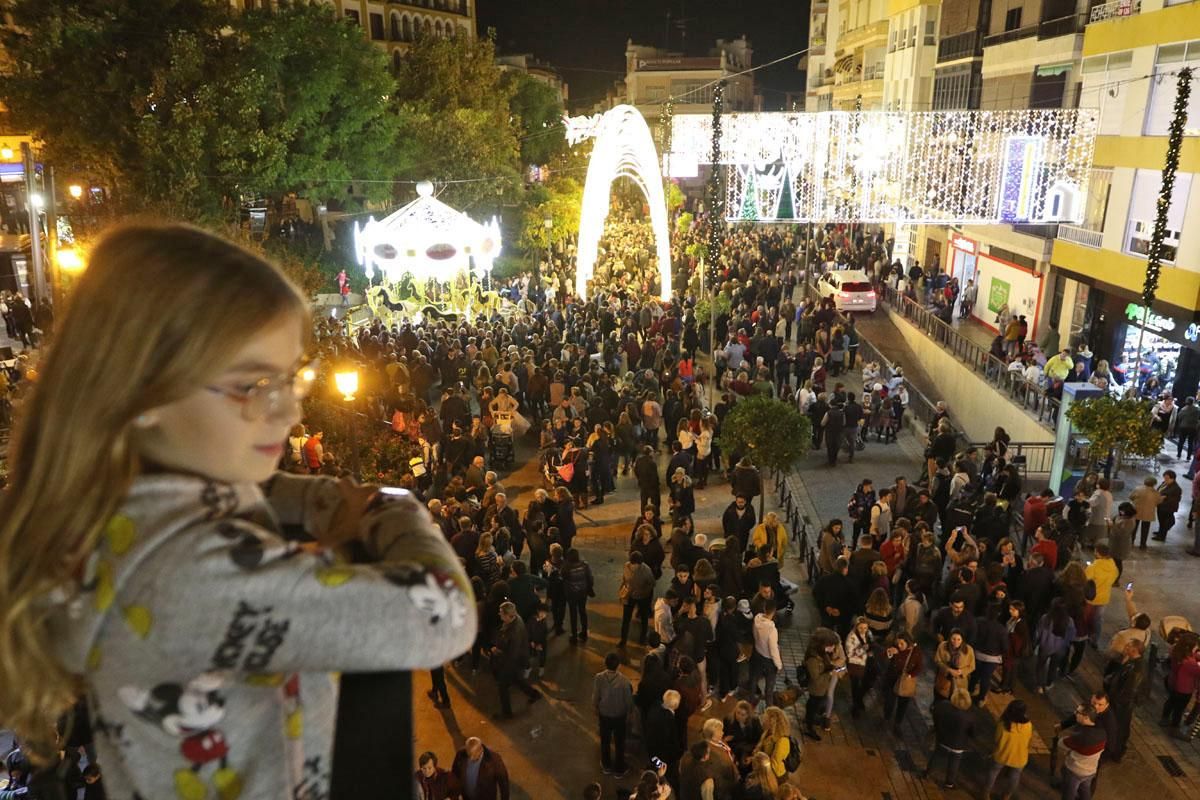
(353, 499)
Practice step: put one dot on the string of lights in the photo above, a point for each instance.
(1183, 91)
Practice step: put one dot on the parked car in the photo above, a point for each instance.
(850, 289)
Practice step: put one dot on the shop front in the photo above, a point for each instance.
(964, 253)
(1003, 286)
(1168, 341)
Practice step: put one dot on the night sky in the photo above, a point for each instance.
(585, 39)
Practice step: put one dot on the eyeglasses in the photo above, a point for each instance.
(265, 397)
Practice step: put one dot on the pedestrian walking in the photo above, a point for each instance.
(953, 727)
(612, 699)
(1014, 731)
(578, 587)
(765, 660)
(481, 771)
(510, 659)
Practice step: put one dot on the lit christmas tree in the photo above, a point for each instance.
(750, 198)
(785, 209)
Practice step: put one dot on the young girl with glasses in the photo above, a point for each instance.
(154, 562)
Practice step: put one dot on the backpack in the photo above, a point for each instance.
(856, 506)
(791, 762)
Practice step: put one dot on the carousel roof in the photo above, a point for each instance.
(426, 238)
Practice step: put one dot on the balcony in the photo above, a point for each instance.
(1084, 236)
(1010, 36)
(1063, 26)
(1117, 8)
(1040, 230)
(960, 45)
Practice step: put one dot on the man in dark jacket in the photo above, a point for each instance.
(649, 484)
(746, 481)
(1171, 495)
(953, 730)
(1122, 678)
(502, 515)
(991, 644)
(434, 782)
(836, 598)
(1037, 588)
(510, 658)
(955, 615)
(739, 519)
(481, 772)
(662, 734)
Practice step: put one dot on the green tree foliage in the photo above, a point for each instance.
(315, 107)
(176, 105)
(538, 110)
(773, 433)
(456, 123)
(1112, 424)
(559, 200)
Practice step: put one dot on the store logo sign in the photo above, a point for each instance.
(1154, 322)
(1192, 333)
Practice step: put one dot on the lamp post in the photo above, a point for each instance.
(347, 383)
(548, 223)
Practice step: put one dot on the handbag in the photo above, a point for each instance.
(906, 685)
(567, 472)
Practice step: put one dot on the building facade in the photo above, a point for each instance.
(1131, 54)
(396, 24)
(652, 75)
(540, 71)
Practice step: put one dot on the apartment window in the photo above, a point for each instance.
(376, 21)
(1104, 87)
(1012, 20)
(397, 33)
(352, 15)
(1147, 183)
(1171, 58)
(930, 32)
(1049, 86)
(956, 88)
(912, 36)
(892, 42)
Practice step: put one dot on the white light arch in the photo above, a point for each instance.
(623, 149)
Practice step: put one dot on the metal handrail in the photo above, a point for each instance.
(1033, 458)
(1033, 399)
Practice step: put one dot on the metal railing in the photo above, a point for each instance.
(979, 359)
(1004, 37)
(1031, 458)
(921, 407)
(1117, 8)
(960, 45)
(1063, 26)
(1083, 236)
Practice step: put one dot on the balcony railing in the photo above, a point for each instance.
(1117, 8)
(1010, 36)
(1084, 236)
(1042, 230)
(873, 73)
(1063, 26)
(960, 45)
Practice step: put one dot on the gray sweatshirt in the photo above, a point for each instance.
(208, 641)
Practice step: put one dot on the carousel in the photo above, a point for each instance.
(430, 260)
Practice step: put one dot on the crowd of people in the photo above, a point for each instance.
(928, 583)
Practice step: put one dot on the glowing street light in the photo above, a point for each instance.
(6, 153)
(36, 200)
(347, 384)
(75, 190)
(69, 260)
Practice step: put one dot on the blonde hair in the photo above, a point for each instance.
(166, 305)
(775, 725)
(762, 773)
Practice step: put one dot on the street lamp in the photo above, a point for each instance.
(347, 383)
(37, 200)
(75, 190)
(6, 153)
(69, 260)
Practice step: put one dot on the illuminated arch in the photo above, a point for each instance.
(623, 149)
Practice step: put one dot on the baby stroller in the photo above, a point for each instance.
(500, 441)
